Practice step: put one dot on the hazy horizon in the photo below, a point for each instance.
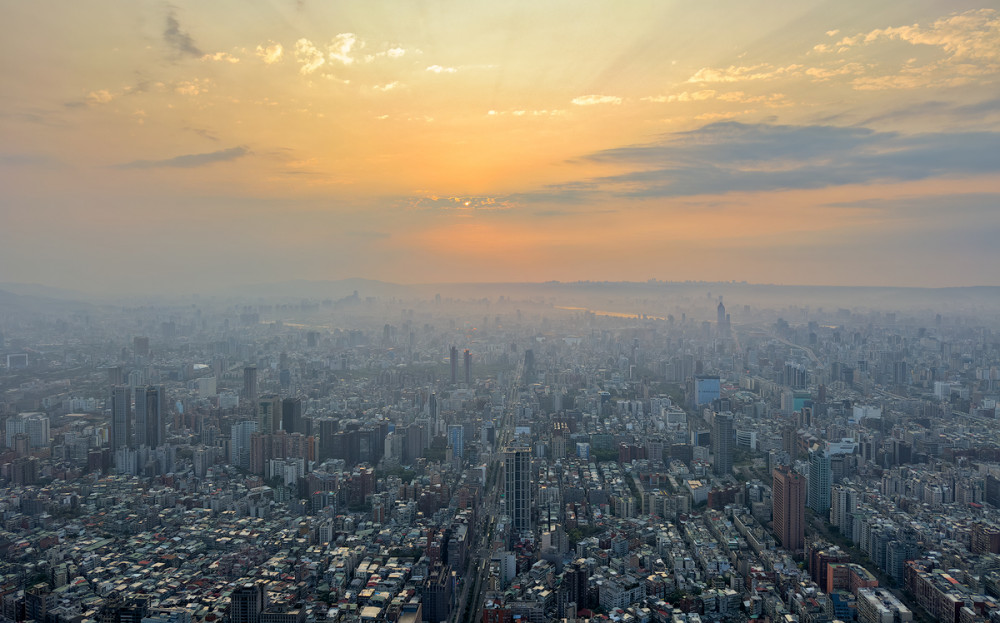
(191, 146)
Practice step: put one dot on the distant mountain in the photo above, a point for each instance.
(313, 290)
(37, 289)
(14, 303)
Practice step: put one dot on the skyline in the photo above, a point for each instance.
(182, 147)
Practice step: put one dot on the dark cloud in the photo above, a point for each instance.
(733, 157)
(180, 41)
(205, 134)
(189, 161)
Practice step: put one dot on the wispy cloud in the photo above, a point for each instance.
(179, 41)
(592, 100)
(741, 73)
(971, 35)
(438, 69)
(458, 203)
(189, 161)
(221, 56)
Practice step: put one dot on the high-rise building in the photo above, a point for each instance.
(820, 481)
(722, 443)
(788, 498)
(706, 389)
(269, 413)
(121, 418)
(150, 417)
(34, 426)
(250, 386)
(239, 445)
(291, 415)
(467, 361)
(517, 486)
(453, 356)
(843, 503)
(456, 439)
(247, 603)
(529, 366)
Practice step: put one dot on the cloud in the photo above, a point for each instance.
(100, 97)
(395, 52)
(971, 35)
(341, 46)
(221, 56)
(178, 40)
(729, 157)
(740, 73)
(438, 69)
(189, 161)
(695, 96)
(592, 100)
(270, 53)
(309, 56)
(385, 87)
(193, 87)
(458, 203)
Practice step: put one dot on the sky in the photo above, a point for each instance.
(184, 146)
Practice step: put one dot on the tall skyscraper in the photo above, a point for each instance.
(291, 415)
(467, 361)
(529, 366)
(453, 352)
(269, 414)
(722, 444)
(456, 439)
(121, 418)
(150, 416)
(788, 498)
(517, 486)
(250, 386)
(820, 481)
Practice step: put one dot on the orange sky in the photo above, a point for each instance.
(197, 144)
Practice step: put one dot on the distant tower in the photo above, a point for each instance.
(517, 486)
(529, 366)
(467, 360)
(121, 417)
(788, 498)
(722, 444)
(722, 319)
(291, 415)
(150, 417)
(250, 386)
(454, 365)
(116, 376)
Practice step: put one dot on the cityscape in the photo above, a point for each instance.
(434, 458)
(566, 311)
